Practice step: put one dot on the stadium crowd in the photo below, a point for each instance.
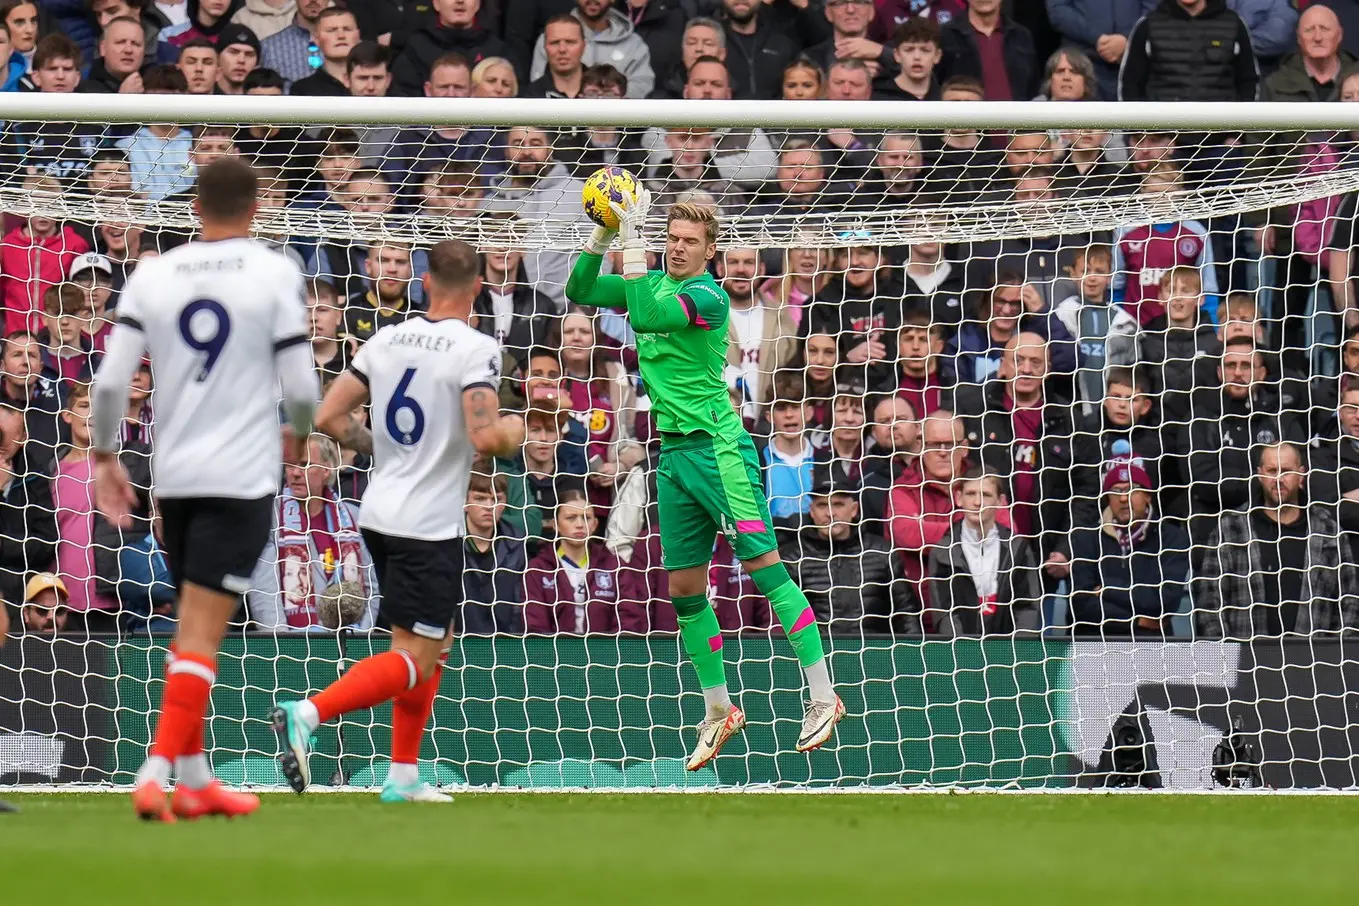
(1143, 432)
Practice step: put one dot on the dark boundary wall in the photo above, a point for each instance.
(609, 711)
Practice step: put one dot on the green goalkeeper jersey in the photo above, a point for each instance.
(681, 328)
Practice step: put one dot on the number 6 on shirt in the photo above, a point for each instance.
(210, 346)
(405, 431)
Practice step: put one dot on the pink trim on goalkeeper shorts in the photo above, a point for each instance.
(750, 526)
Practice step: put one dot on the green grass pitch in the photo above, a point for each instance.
(695, 849)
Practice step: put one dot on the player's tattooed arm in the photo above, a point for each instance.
(489, 431)
(336, 418)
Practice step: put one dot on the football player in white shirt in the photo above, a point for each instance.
(433, 383)
(225, 323)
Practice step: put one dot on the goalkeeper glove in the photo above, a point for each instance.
(631, 215)
(600, 240)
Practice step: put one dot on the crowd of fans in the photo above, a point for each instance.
(1099, 432)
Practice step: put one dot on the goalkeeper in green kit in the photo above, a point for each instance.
(709, 476)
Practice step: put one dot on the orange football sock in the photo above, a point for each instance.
(188, 685)
(410, 716)
(370, 682)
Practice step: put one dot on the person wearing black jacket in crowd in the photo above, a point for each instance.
(852, 578)
(456, 30)
(28, 518)
(1128, 570)
(494, 559)
(989, 46)
(983, 577)
(1127, 424)
(1228, 424)
(509, 307)
(862, 311)
(757, 50)
(1027, 434)
(121, 56)
(660, 23)
(1189, 50)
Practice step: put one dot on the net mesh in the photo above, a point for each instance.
(1056, 429)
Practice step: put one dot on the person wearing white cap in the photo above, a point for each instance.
(93, 273)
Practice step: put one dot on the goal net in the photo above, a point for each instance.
(1054, 406)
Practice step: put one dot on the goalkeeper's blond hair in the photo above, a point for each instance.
(695, 213)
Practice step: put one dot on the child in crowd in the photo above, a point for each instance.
(66, 350)
(1105, 333)
(787, 457)
(33, 257)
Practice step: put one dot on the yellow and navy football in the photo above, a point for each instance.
(605, 185)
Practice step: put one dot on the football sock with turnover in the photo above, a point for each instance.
(188, 685)
(370, 682)
(702, 639)
(191, 766)
(410, 715)
(799, 623)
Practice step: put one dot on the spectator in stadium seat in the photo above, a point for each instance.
(587, 149)
(315, 572)
(198, 62)
(820, 357)
(385, 298)
(538, 188)
(1228, 423)
(495, 77)
(757, 49)
(862, 310)
(920, 507)
(13, 69)
(330, 353)
(117, 68)
(34, 256)
(144, 12)
(1129, 570)
(20, 18)
(206, 19)
(661, 24)
(933, 284)
(453, 190)
(738, 603)
(1334, 472)
(576, 586)
(368, 75)
(1088, 169)
(289, 149)
(456, 32)
(417, 150)
(967, 165)
(804, 276)
(893, 13)
(920, 378)
(609, 38)
(847, 153)
(1105, 334)
(801, 185)
(743, 156)
(983, 577)
(1276, 564)
(292, 52)
(1099, 29)
(853, 582)
(159, 153)
(1175, 341)
(495, 559)
(598, 394)
(1027, 434)
(266, 18)
(974, 353)
(763, 336)
(788, 454)
(840, 452)
(509, 307)
(1312, 72)
(702, 37)
(336, 32)
(62, 150)
(917, 53)
(803, 80)
(1068, 75)
(1189, 50)
(849, 21)
(690, 169)
(46, 609)
(238, 54)
(1127, 424)
(893, 443)
(524, 21)
(92, 274)
(562, 50)
(72, 499)
(28, 525)
(1143, 253)
(993, 48)
(66, 353)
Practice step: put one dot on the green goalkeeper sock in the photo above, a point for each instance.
(794, 612)
(702, 639)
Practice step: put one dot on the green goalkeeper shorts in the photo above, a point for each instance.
(704, 484)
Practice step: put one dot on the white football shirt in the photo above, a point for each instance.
(213, 315)
(416, 373)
